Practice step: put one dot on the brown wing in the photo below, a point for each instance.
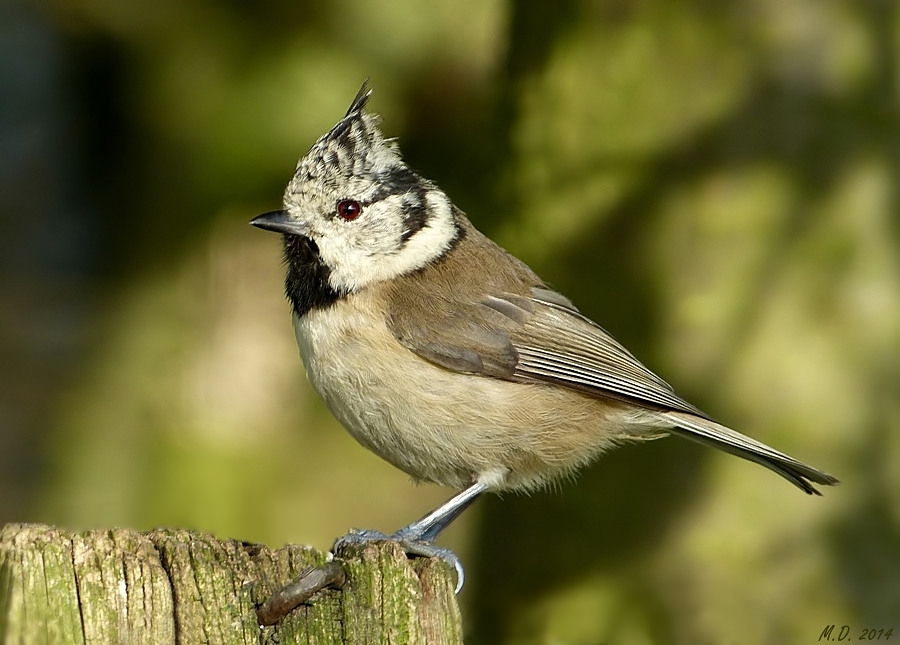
(557, 344)
(540, 338)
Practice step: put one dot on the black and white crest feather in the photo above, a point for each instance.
(405, 221)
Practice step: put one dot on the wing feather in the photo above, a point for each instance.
(560, 345)
(542, 338)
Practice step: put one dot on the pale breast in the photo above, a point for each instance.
(444, 426)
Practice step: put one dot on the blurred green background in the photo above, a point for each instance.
(716, 183)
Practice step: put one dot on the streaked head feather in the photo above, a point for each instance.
(406, 221)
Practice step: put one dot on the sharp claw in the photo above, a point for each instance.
(460, 577)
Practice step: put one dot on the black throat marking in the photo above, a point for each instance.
(306, 284)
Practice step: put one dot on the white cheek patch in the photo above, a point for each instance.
(381, 255)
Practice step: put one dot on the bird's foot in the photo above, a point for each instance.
(410, 542)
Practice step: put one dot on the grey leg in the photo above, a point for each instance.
(427, 528)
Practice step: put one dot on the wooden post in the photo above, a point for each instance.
(176, 586)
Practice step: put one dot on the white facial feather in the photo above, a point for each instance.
(405, 221)
(371, 248)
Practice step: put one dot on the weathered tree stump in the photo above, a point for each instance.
(177, 586)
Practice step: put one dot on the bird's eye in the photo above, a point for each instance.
(348, 210)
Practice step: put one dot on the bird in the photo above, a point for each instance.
(446, 355)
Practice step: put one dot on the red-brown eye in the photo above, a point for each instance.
(348, 210)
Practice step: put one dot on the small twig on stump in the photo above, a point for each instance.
(308, 583)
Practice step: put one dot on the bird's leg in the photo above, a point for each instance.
(427, 528)
(417, 538)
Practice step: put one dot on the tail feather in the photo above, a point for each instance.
(718, 436)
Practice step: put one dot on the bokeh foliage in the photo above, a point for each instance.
(716, 183)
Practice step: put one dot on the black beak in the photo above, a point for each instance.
(278, 222)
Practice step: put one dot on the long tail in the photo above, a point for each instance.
(718, 436)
